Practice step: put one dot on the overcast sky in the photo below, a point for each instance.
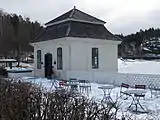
(122, 16)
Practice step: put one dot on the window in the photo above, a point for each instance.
(95, 60)
(38, 59)
(59, 59)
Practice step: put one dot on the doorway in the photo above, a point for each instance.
(48, 65)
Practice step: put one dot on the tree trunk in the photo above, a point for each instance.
(18, 55)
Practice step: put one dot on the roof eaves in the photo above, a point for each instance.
(38, 37)
(72, 19)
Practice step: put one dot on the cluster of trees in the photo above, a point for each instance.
(141, 36)
(149, 38)
(16, 32)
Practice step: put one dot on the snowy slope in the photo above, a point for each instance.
(139, 66)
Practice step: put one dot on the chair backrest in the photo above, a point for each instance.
(82, 81)
(73, 80)
(61, 83)
(87, 81)
(123, 88)
(140, 86)
(124, 85)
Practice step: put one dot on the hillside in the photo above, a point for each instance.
(16, 32)
(141, 44)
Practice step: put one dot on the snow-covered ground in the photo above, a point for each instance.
(139, 66)
(152, 105)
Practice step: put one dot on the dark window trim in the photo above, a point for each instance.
(39, 54)
(95, 58)
(59, 58)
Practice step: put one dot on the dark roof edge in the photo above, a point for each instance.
(71, 19)
(118, 38)
(72, 12)
(38, 36)
(91, 16)
(81, 37)
(105, 39)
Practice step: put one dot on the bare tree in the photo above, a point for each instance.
(1, 22)
(15, 23)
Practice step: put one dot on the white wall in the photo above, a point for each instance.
(81, 54)
(51, 47)
(77, 55)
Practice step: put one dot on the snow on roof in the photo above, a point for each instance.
(146, 49)
(26, 65)
(8, 60)
(18, 69)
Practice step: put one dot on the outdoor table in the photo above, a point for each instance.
(108, 89)
(135, 100)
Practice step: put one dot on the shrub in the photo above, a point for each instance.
(3, 72)
(26, 101)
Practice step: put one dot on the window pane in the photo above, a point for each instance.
(38, 59)
(95, 61)
(59, 59)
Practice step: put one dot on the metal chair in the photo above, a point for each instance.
(62, 83)
(73, 80)
(123, 88)
(155, 90)
(140, 86)
(74, 83)
(84, 85)
(143, 87)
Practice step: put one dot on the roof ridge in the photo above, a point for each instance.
(75, 14)
(68, 31)
(73, 10)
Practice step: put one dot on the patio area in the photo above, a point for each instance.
(150, 104)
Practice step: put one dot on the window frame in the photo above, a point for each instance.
(59, 58)
(95, 58)
(39, 58)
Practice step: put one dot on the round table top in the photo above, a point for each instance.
(106, 87)
(135, 91)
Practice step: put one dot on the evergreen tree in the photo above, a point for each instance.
(16, 32)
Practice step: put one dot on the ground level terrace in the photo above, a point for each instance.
(151, 103)
(130, 72)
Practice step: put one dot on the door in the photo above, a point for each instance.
(48, 65)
